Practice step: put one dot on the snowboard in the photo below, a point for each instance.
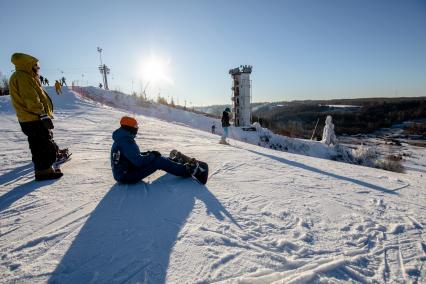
(202, 171)
(64, 156)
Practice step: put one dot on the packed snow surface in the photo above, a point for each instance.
(264, 216)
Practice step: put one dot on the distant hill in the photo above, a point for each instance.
(350, 116)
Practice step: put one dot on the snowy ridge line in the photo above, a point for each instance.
(130, 104)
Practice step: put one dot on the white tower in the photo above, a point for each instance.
(241, 95)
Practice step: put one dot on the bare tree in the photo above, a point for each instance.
(4, 85)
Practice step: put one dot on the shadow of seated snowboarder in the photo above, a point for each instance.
(130, 235)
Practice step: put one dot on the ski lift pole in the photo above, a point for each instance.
(315, 129)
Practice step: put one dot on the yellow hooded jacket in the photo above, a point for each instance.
(28, 97)
(57, 86)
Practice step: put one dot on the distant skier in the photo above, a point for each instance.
(100, 86)
(42, 80)
(46, 82)
(328, 135)
(225, 125)
(130, 165)
(58, 88)
(213, 129)
(34, 110)
(63, 81)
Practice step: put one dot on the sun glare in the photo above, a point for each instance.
(156, 70)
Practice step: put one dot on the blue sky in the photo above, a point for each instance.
(299, 49)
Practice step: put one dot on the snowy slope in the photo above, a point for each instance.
(370, 156)
(178, 116)
(264, 216)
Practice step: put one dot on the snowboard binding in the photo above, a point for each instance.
(198, 169)
(62, 156)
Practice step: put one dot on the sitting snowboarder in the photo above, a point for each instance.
(130, 165)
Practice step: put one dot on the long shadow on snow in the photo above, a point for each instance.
(130, 235)
(20, 191)
(15, 174)
(309, 168)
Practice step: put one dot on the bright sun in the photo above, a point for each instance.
(156, 70)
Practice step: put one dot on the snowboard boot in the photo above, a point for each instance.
(48, 174)
(198, 170)
(178, 157)
(192, 167)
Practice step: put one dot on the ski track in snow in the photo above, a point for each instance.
(263, 217)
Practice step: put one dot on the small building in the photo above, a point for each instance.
(241, 95)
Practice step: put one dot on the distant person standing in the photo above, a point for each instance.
(42, 80)
(58, 88)
(34, 110)
(63, 81)
(100, 86)
(46, 81)
(213, 128)
(225, 125)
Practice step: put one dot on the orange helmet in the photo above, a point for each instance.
(129, 121)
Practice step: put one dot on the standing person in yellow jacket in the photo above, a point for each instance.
(34, 110)
(58, 87)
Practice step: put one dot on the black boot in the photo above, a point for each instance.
(199, 170)
(48, 174)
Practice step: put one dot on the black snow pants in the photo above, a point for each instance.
(43, 148)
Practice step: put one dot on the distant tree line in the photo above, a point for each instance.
(298, 118)
(4, 85)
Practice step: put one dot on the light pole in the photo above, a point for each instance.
(100, 54)
(103, 69)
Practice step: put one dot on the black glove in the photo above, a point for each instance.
(156, 154)
(47, 122)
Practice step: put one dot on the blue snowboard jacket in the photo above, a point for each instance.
(126, 157)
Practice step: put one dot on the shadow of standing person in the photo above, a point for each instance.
(20, 191)
(16, 174)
